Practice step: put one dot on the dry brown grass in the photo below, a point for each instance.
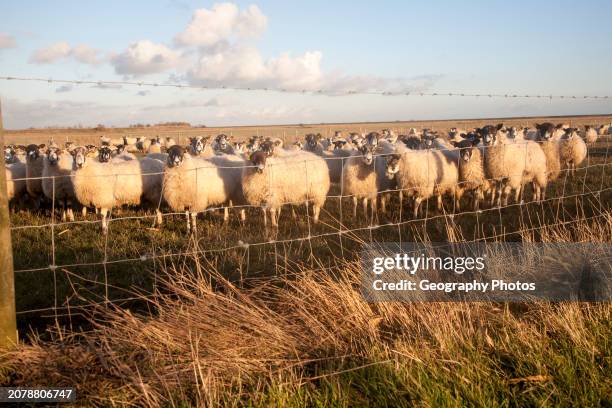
(309, 338)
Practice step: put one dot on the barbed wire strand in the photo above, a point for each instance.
(335, 92)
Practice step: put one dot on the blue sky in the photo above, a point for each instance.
(562, 47)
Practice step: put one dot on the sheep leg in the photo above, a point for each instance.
(103, 215)
(70, 211)
(374, 212)
(225, 214)
(354, 207)
(517, 195)
(242, 213)
(316, 210)
(293, 214)
(273, 217)
(265, 216)
(439, 199)
(417, 203)
(401, 199)
(63, 217)
(158, 217)
(188, 222)
(383, 203)
(84, 211)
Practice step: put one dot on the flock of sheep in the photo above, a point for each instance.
(492, 164)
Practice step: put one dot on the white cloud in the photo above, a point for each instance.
(51, 53)
(60, 50)
(145, 57)
(245, 66)
(222, 22)
(7, 41)
(85, 54)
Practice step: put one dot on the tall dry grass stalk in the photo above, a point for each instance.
(309, 338)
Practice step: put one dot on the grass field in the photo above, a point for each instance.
(280, 321)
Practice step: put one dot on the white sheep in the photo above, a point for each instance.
(109, 185)
(573, 150)
(551, 149)
(192, 184)
(15, 174)
(418, 174)
(360, 180)
(56, 183)
(590, 134)
(293, 177)
(472, 176)
(504, 163)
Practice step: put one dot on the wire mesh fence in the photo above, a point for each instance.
(64, 266)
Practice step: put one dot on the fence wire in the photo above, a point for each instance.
(592, 183)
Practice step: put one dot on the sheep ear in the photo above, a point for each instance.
(42, 146)
(500, 126)
(559, 126)
(475, 141)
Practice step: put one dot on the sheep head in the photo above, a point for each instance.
(392, 166)
(176, 155)
(259, 160)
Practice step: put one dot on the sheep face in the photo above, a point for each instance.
(392, 166)
(155, 141)
(79, 156)
(339, 144)
(198, 143)
(53, 155)
(428, 139)
(33, 151)
(411, 142)
(299, 145)
(120, 149)
(222, 141)
(269, 145)
(176, 154)
(240, 147)
(570, 132)
(104, 154)
(312, 140)
(259, 160)
(372, 138)
(545, 131)
(9, 154)
(253, 144)
(466, 148)
(488, 134)
(367, 154)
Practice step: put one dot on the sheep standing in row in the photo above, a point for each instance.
(550, 147)
(15, 173)
(472, 176)
(192, 184)
(56, 183)
(573, 150)
(109, 185)
(34, 169)
(360, 181)
(504, 164)
(269, 181)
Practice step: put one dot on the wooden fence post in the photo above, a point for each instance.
(8, 324)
